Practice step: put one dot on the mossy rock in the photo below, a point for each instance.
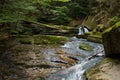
(43, 39)
(107, 30)
(95, 38)
(102, 70)
(88, 33)
(85, 46)
(116, 25)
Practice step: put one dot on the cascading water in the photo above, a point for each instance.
(82, 30)
(88, 59)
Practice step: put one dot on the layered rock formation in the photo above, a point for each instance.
(111, 41)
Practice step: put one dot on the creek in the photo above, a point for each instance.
(38, 62)
(86, 59)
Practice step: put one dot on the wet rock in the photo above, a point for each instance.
(27, 60)
(59, 51)
(74, 58)
(67, 59)
(108, 69)
(111, 41)
(60, 62)
(34, 62)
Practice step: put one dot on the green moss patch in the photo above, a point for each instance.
(85, 46)
(117, 24)
(95, 38)
(43, 39)
(107, 30)
(102, 70)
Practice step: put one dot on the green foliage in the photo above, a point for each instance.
(60, 15)
(54, 14)
(63, 0)
(14, 10)
(117, 24)
(61, 12)
(76, 10)
(48, 11)
(56, 11)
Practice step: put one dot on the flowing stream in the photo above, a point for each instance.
(86, 60)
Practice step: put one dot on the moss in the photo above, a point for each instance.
(113, 61)
(89, 33)
(97, 35)
(95, 38)
(107, 30)
(117, 24)
(85, 46)
(91, 72)
(43, 39)
(25, 40)
(97, 71)
(52, 25)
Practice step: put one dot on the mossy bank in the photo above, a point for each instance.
(107, 69)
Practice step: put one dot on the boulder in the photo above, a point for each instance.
(111, 42)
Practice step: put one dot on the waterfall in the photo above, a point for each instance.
(82, 30)
(86, 30)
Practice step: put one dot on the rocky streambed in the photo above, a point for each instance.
(26, 62)
(39, 62)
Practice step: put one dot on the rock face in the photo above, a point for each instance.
(107, 69)
(111, 41)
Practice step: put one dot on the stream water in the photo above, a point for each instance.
(86, 59)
